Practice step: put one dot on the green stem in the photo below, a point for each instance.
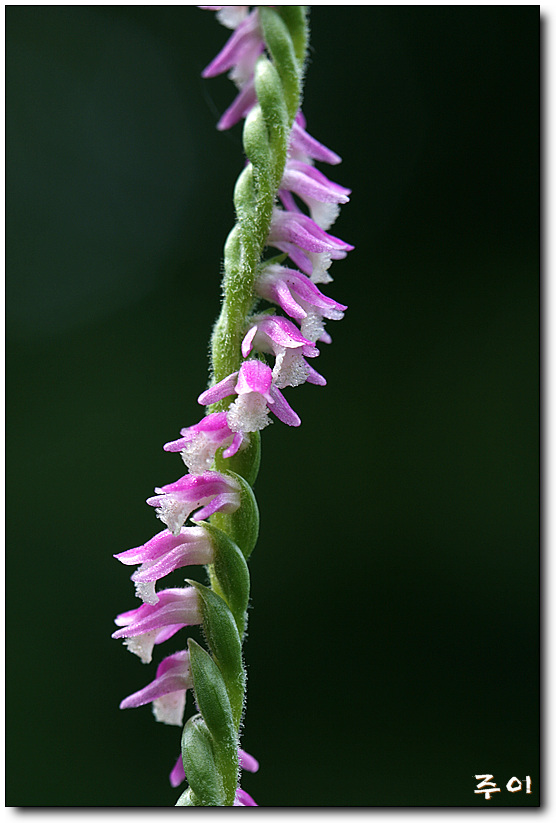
(210, 741)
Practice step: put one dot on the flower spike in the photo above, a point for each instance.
(210, 514)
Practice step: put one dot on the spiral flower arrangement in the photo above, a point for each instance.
(282, 202)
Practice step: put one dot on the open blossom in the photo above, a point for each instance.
(147, 626)
(213, 491)
(164, 553)
(299, 297)
(239, 56)
(167, 691)
(279, 336)
(304, 147)
(307, 244)
(199, 443)
(321, 195)
(253, 385)
(240, 53)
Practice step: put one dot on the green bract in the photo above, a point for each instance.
(230, 575)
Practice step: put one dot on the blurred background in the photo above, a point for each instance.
(393, 641)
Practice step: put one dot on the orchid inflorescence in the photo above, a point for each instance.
(210, 514)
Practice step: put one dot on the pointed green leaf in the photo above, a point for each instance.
(211, 694)
(231, 574)
(200, 766)
(224, 642)
(214, 704)
(243, 525)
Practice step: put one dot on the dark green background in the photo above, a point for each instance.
(393, 644)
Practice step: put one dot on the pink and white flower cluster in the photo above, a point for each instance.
(309, 204)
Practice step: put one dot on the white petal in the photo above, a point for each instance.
(142, 645)
(321, 263)
(170, 708)
(173, 513)
(198, 454)
(249, 413)
(312, 326)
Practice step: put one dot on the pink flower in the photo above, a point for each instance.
(279, 336)
(321, 195)
(298, 296)
(310, 248)
(253, 385)
(167, 691)
(306, 148)
(240, 52)
(239, 56)
(163, 554)
(211, 490)
(199, 443)
(149, 625)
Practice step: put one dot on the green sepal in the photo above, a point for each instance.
(279, 42)
(242, 525)
(230, 574)
(206, 786)
(246, 461)
(224, 642)
(214, 704)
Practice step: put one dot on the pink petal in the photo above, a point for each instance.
(158, 545)
(303, 143)
(240, 108)
(233, 51)
(283, 410)
(177, 775)
(217, 392)
(248, 762)
(247, 343)
(244, 799)
(254, 376)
